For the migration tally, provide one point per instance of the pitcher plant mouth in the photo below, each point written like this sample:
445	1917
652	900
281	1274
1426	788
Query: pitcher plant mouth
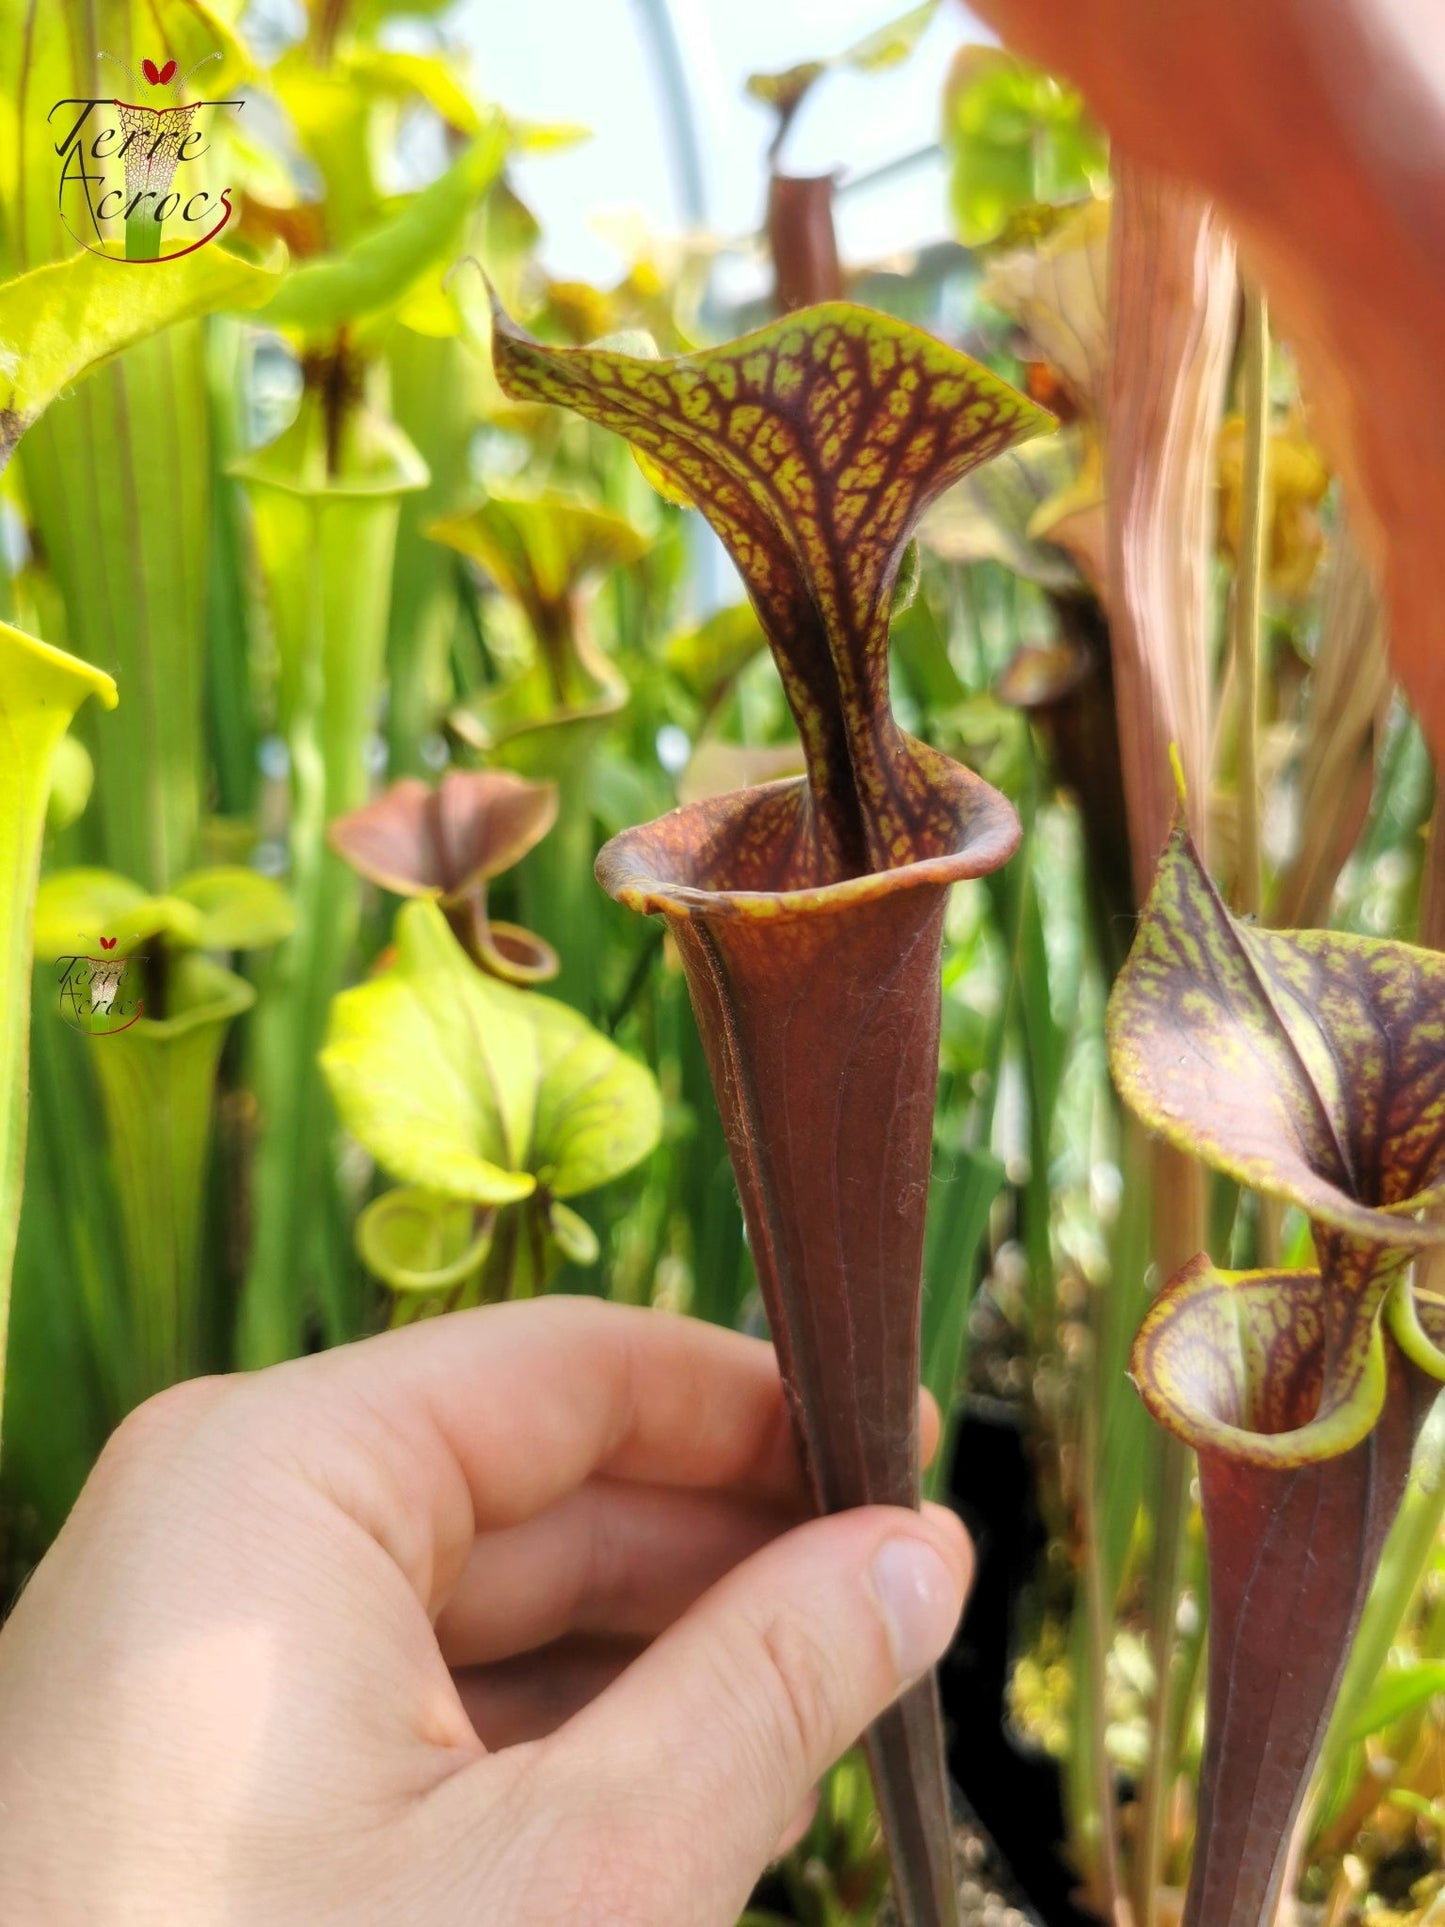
449	842
1242	1363
752	853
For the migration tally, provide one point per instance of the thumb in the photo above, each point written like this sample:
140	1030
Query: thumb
705	1747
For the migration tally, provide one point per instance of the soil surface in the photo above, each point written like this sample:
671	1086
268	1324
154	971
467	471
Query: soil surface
988	1895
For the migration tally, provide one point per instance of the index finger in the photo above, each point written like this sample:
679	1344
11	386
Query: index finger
485	1418
533	1398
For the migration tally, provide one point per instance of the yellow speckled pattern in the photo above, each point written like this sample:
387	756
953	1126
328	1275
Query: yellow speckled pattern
1309	1065
812	447
1273	1368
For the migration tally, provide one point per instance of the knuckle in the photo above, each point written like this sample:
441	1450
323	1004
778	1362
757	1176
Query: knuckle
606	1573
161	1420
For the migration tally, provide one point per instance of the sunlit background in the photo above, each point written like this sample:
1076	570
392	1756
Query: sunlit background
675	143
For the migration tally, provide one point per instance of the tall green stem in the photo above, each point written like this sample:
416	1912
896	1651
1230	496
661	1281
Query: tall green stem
559	895
1120	1448
157	1081
119	481
426	377
1099	1589
40	690
1171	1514
1180	1207
326	497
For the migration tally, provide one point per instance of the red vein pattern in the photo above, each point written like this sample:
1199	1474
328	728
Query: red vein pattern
812	447
809	914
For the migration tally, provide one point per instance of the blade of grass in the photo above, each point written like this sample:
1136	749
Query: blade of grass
230	652
430	377
961	1199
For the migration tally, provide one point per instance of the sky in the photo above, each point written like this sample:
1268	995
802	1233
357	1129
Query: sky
591	61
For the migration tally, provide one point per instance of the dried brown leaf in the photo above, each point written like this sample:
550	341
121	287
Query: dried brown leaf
1171	311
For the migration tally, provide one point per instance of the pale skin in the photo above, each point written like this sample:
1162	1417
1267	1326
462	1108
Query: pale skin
513	1617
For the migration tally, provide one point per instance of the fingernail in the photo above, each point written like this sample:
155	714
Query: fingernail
920	1601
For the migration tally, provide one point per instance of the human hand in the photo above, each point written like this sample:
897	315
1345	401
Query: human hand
504	1619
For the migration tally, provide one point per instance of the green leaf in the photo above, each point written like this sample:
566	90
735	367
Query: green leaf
40	690
920	655
465	1086
126	532
231	908
325	501
540	549
598	1110
957	1225
430	1074
386	264
72	778
75	908
157	1082
709	656
240	909
406	77
812	447
784	91
1402	1690
891	44
1015	137
422	1241
59	322
573	1236
888	46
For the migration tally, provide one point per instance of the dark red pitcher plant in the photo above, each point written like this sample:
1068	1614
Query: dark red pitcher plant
809	913
1309	1066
